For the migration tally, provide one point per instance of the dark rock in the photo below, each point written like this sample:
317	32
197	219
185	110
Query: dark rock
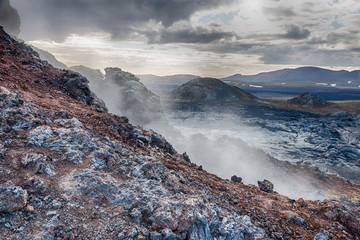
125	119
77	87
12	198
236	179
301	202
186	157
266	186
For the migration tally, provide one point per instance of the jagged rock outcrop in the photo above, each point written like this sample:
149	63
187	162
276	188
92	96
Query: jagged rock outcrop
134	99
78	172
124	94
210	90
308	99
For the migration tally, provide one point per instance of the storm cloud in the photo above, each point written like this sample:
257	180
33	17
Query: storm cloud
9	18
172	36
279	12
295	32
120	18
189	35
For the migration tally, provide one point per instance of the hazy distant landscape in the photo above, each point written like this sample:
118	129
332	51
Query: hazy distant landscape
286	83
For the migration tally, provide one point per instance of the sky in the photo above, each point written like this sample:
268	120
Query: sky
214	38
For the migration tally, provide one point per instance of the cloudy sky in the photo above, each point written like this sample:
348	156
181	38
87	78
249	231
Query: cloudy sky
204	37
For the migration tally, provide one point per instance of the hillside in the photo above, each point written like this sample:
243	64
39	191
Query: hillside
70	170
210	90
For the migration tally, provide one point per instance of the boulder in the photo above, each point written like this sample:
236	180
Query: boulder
236	179
266	186
12	198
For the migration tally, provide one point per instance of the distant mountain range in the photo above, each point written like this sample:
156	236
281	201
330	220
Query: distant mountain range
301	76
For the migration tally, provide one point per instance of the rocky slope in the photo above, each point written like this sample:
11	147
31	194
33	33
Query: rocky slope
70	170
210	90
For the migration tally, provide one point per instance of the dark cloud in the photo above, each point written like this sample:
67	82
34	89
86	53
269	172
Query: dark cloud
58	18
189	35
230	47
9	18
279	12
334	38
295	32
343	37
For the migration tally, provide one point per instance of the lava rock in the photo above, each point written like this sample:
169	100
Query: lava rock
186	157
12	198
266	186
236	179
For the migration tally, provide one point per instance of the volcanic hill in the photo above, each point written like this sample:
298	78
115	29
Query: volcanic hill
210	90
70	170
